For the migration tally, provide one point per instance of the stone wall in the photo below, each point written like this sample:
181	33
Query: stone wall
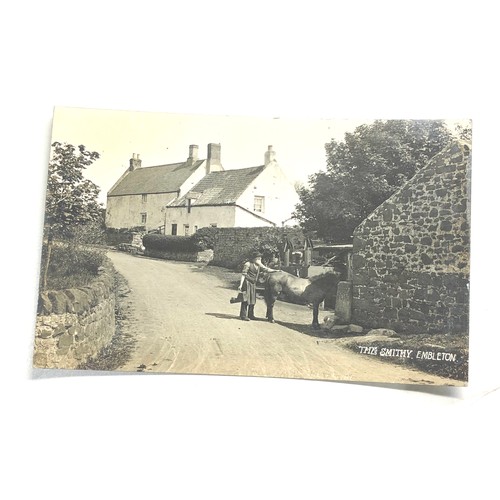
73	325
411	255
234	244
115	238
203	256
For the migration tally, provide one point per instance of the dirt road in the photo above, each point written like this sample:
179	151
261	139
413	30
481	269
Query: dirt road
183	322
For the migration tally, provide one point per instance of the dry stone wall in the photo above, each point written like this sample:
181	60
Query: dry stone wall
411	255
73	325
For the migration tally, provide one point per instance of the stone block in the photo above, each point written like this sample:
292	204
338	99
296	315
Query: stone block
384	332
339	328
445	225
59	330
426	260
343	304
354	328
44	332
410	248
65	341
59	302
40	360
79	299
62	351
329	320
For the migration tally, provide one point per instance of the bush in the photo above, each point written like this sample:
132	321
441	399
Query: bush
93	233
167	243
72	265
204	238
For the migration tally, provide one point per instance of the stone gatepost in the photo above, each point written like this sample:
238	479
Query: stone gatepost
343	303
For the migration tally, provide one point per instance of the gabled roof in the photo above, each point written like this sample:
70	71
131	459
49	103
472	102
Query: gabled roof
221	188
159	179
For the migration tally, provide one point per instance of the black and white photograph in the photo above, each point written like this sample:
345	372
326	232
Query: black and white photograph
249	250
293	248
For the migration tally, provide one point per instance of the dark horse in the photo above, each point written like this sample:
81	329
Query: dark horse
307	291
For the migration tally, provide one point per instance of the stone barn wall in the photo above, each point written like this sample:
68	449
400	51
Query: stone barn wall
411	255
73	325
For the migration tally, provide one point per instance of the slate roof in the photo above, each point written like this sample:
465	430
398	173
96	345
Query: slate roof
159	179
220	188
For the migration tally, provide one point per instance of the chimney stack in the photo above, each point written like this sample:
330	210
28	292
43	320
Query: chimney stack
193	154
269	156
135	162
213	158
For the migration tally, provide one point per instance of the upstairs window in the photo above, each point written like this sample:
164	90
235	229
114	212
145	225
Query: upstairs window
258	204
144	198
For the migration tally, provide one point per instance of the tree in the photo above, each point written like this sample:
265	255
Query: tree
363	171
71	200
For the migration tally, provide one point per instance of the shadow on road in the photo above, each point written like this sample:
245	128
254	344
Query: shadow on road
223	316
311	332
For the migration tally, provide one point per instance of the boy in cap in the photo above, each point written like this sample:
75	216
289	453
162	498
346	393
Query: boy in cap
249	277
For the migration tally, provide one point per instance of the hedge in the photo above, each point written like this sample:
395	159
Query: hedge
201	240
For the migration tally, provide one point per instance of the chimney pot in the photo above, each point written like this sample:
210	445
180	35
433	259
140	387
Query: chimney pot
213	158
135	162
193	154
269	156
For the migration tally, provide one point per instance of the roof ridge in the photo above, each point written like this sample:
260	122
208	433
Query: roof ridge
170	164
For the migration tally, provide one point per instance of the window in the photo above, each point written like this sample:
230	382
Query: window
144	218
258	204
186	229
195	228
144	198
189	205
174	229
214	224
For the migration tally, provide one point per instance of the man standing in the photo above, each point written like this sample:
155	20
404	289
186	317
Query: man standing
249	277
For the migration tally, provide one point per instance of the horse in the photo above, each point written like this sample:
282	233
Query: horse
303	290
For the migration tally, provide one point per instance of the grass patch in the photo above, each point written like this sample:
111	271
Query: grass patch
71	265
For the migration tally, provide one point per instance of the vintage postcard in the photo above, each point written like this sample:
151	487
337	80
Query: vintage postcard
274	247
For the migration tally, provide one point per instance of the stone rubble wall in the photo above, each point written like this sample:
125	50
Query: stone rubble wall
411	255
73	325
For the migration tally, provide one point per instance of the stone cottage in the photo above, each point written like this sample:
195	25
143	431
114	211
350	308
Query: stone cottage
183	197
248	197
139	196
410	263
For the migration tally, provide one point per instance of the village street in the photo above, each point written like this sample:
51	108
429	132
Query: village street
181	318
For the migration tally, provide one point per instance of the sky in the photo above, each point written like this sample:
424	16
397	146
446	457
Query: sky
162	138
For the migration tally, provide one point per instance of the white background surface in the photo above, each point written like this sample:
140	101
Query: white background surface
71	435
